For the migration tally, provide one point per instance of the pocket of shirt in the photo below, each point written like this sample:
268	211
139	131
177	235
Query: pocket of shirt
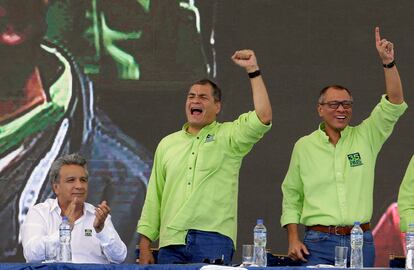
210	157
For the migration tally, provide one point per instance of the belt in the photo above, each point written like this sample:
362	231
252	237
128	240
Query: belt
338	230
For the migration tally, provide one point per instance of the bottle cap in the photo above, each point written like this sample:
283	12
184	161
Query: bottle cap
65	218
357	223
259	221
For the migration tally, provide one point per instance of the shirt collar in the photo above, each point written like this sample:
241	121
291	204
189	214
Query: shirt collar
89	208
86	207
202	132
325	137
55	206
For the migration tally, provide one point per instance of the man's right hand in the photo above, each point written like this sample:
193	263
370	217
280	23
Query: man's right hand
297	250
71	211
145	253
145	256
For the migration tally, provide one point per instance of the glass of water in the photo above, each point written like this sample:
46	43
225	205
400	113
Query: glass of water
341	255
51	251
247	255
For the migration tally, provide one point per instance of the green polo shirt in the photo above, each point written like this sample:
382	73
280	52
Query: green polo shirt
333	185
194	180
406	197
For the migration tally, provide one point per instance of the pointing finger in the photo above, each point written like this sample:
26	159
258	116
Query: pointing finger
377	34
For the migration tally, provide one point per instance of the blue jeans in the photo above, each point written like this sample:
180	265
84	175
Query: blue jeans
321	247
200	245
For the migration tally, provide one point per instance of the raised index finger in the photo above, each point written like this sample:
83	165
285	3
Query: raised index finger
377	34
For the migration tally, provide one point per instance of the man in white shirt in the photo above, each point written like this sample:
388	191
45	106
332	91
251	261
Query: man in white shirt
93	238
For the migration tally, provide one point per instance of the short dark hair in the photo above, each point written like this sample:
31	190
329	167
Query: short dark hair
216	89
334	86
70	159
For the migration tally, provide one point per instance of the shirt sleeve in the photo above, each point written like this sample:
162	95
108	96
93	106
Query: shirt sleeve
149	223
34	235
292	189
112	245
406	197
247	130
381	122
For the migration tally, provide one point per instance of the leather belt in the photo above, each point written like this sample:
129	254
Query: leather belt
338	230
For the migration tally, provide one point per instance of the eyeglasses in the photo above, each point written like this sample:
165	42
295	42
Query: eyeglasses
346	104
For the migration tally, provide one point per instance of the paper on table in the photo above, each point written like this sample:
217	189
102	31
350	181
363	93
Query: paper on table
321	266
220	267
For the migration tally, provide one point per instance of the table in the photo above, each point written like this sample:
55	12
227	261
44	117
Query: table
70	266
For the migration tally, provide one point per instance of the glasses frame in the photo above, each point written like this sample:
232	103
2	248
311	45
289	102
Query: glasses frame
334	104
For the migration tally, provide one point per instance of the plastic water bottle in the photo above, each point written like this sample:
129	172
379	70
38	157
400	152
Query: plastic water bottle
260	237
357	241
65	252
409	244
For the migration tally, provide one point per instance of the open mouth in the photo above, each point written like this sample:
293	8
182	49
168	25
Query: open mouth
340	117
196	111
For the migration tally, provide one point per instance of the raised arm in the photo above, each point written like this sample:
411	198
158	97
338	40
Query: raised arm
393	85
247	59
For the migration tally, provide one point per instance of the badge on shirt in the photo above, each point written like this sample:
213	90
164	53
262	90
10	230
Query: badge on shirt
355	159
88	232
209	138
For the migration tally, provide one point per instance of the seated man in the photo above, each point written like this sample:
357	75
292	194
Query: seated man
94	238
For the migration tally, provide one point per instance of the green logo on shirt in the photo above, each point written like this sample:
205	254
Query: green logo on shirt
88	232
354	159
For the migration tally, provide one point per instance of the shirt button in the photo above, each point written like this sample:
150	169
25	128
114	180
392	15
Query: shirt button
198	138
192	153
190	168
189	183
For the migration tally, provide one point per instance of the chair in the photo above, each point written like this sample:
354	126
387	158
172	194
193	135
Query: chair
397	261
280	260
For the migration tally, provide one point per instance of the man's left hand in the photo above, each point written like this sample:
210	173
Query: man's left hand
384	47
101	212
246	59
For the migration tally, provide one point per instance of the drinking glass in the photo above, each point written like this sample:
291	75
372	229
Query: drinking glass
51	248
247	255
341	254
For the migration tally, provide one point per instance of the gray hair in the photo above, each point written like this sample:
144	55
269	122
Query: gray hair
70	159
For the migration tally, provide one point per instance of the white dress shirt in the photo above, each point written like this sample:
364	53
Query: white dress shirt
42	223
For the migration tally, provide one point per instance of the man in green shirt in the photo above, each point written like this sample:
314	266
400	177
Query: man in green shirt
329	183
191	202
406	198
